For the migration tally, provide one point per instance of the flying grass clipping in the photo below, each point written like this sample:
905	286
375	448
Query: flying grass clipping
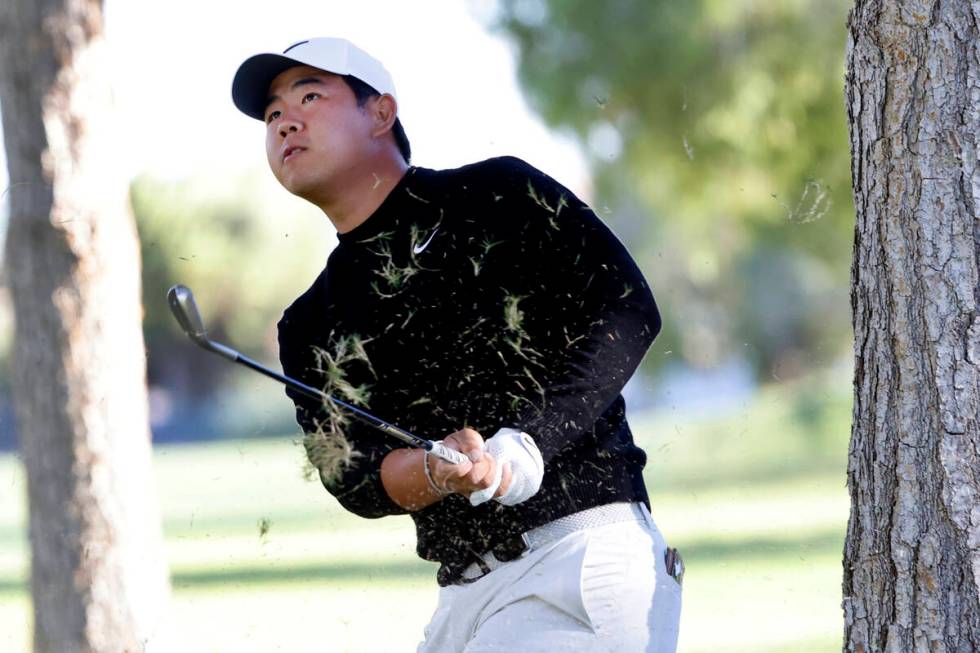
328	450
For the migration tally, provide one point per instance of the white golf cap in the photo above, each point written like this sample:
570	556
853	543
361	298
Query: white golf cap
250	88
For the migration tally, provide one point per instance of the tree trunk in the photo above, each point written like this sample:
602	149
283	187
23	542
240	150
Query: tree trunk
98	576
912	555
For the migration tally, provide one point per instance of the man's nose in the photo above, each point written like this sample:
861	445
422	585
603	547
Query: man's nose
288	126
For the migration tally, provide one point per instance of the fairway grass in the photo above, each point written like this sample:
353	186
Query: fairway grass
262	560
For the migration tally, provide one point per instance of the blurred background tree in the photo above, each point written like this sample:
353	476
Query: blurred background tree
221	237
717	138
98	574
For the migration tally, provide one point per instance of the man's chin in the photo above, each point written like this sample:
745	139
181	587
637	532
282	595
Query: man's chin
299	187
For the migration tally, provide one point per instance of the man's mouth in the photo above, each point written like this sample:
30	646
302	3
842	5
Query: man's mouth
291	151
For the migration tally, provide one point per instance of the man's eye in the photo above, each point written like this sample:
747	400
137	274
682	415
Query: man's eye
272	116
309	97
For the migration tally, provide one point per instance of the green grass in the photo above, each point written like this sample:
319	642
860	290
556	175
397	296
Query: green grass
756	502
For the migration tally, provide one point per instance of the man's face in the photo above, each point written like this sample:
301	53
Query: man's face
315	132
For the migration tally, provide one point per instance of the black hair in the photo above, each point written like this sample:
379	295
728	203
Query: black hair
364	92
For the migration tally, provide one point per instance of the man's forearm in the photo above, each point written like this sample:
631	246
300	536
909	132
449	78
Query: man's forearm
404	479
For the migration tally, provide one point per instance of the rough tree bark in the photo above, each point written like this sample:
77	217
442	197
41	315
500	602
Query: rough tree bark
98	577
912	555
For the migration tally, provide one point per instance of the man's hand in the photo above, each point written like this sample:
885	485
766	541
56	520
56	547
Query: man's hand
404	479
477	474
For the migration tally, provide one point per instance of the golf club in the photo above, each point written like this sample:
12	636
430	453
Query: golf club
184	308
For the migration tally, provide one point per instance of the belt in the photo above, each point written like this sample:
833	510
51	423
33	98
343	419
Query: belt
535	538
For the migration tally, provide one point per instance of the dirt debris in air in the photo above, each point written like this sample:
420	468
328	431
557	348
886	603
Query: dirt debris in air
264	525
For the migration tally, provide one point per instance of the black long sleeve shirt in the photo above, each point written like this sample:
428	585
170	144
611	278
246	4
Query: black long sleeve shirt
485	296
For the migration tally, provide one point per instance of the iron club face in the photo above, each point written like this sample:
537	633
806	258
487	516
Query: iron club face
184	308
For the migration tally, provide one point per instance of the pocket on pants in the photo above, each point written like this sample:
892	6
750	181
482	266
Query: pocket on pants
632	603
617	572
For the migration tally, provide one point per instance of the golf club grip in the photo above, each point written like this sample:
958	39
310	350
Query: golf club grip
440	450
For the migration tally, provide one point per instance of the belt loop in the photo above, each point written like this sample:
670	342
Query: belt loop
512	549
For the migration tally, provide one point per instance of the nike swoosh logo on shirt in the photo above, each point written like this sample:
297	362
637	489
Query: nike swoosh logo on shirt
418	249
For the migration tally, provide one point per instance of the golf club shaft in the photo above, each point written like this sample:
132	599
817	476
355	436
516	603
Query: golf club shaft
184	308
435	448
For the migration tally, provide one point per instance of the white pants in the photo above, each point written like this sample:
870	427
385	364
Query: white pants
604	588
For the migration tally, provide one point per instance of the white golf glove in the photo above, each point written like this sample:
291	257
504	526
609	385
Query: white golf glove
526	467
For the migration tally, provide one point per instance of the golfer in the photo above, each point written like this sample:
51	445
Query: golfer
488	307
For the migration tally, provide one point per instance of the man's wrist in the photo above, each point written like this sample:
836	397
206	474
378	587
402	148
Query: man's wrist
441	491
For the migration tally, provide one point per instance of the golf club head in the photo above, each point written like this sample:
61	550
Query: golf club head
184	308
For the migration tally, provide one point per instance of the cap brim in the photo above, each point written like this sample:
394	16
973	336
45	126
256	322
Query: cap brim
250	88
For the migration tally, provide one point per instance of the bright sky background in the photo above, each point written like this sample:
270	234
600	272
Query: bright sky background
457	87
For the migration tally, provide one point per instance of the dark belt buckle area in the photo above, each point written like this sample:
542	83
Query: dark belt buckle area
512	549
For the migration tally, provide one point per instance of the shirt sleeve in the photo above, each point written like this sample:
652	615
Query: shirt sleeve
581	314
357	485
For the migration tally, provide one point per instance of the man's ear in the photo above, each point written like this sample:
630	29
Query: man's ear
384	111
